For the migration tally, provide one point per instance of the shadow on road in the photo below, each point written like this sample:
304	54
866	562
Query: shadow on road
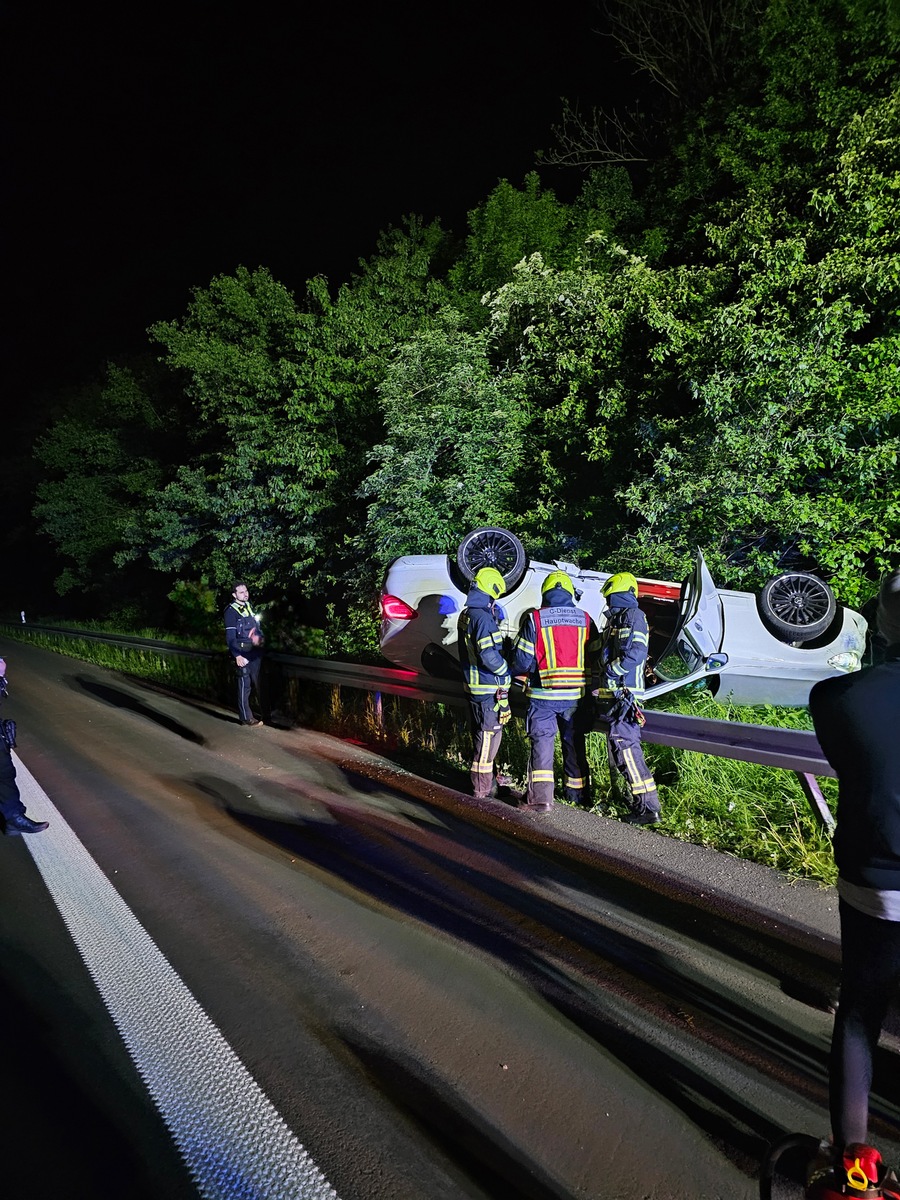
497	1167
119	698
499	899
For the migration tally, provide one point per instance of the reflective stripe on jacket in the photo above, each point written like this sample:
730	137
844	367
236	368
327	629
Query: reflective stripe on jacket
625	642
481	647
240	622
555	648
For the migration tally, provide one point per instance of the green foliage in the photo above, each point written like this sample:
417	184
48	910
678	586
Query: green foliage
244	501
277	390
352	632
794	365
452	448
703	355
197	607
606	204
707	354
510	225
515	223
210	677
107	453
594	347
753	812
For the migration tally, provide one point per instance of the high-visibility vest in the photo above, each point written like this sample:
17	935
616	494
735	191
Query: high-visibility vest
560	650
480	645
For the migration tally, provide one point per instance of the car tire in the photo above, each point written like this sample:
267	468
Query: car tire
492	547
797	606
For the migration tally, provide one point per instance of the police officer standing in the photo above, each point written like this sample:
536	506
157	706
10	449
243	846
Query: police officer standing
856	718
485	674
553	655
623	660
245	641
12	810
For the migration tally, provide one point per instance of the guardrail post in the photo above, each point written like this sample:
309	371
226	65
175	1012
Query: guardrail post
813	794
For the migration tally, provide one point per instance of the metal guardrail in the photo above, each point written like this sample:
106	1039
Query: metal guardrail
112	639
796	750
770	746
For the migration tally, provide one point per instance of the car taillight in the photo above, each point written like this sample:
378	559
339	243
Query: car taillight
395	609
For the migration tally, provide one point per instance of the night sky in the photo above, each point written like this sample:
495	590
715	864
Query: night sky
151	148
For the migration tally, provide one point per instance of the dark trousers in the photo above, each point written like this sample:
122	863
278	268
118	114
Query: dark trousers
545	718
10	803
247	676
627	756
487	733
870	972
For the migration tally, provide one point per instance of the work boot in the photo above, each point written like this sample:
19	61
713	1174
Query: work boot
22	824
642	818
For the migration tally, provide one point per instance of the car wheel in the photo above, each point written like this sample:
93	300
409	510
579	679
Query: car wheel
491	547
796	606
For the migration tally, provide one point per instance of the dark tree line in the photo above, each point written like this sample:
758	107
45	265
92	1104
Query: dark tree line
706	352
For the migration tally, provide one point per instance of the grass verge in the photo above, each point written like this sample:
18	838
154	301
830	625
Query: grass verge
750	811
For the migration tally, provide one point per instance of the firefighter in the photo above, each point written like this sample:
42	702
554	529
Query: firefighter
553	656
623	661
485	674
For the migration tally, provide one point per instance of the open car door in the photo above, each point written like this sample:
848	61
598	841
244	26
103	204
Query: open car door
695	648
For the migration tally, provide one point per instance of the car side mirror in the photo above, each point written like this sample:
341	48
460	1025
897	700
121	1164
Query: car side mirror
716	662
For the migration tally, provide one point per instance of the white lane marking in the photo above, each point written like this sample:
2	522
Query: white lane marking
232	1139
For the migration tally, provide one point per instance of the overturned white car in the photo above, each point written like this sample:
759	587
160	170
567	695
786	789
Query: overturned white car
765	649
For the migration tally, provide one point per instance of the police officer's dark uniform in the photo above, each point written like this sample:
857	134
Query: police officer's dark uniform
12	810
485	675
856	718
554	653
623	658
245	640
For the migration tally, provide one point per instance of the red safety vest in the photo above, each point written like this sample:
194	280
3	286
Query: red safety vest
560	641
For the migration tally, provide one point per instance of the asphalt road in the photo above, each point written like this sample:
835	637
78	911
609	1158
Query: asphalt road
438	998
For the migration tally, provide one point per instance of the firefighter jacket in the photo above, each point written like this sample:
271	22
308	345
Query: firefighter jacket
481	646
240	622
625	641
557	648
